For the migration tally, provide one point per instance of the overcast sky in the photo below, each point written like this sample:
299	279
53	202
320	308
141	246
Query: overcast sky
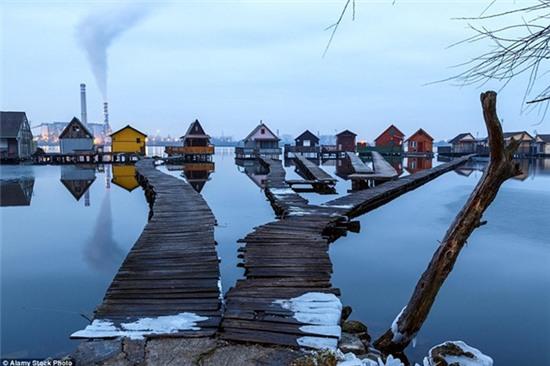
232	63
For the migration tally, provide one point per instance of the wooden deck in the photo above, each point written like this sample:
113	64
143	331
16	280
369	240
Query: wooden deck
381	167
171	274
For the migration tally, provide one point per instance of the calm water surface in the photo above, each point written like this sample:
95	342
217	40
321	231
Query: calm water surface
60	253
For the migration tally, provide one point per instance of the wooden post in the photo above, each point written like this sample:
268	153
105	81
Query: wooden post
500	168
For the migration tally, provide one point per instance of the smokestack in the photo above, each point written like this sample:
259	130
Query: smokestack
83	111
106	113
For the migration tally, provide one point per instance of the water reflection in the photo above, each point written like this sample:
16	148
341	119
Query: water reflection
16	192
256	171
416	164
78	179
343	167
101	251
124	176
196	174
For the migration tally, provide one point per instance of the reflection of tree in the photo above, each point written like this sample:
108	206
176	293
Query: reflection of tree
101	251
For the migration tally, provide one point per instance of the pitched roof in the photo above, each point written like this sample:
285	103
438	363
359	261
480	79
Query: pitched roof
420	131
10	123
346	132
130	127
307	134
261	125
76	121
399	133
512	134
544	138
459	137
195	130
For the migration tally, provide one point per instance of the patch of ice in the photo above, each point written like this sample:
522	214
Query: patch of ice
349	359
141	327
315	308
478	359
281	191
328	330
338	206
318	342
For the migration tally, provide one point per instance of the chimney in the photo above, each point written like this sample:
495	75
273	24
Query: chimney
83	112
106	113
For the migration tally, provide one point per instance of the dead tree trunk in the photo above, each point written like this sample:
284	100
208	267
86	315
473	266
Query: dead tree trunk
500	168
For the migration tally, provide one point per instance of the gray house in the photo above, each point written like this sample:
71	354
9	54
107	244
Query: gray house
15	136
260	142
76	138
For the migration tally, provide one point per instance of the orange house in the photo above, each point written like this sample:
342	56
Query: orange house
420	142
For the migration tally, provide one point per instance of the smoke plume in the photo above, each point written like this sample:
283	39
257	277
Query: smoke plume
97	31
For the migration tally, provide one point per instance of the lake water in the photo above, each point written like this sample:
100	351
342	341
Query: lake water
72	227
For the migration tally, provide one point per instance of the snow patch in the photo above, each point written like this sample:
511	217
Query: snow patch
318	342
478	359
141	327
281	191
349	359
328	330
338	206
397	336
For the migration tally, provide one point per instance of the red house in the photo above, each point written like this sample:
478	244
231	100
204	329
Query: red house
420	142
390	141
345	141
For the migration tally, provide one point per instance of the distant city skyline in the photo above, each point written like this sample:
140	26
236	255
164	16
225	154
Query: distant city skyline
231	64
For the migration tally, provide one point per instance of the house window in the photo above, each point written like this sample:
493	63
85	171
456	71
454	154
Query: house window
307	143
413	143
262	131
138	140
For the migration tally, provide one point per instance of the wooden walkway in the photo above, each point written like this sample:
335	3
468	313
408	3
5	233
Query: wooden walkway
287	297
169	281
311	171
382	168
359	167
359	202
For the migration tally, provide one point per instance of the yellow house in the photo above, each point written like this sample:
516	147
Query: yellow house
128	140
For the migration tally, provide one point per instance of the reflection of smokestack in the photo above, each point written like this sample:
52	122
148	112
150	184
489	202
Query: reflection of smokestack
106	113
83	112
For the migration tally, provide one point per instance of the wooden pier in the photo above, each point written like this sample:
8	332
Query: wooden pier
169	281
320	180
287	297
359	167
382	172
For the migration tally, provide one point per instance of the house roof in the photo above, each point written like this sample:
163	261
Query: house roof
130	127
76	121
262	125
399	133
346	132
460	136
10	123
420	131
195	130
544	138
512	134
307	134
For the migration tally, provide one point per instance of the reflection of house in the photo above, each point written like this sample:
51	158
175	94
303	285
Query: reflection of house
77	179
16	192
260	142
420	142
76	138
344	167
345	141
196	144
463	143
15	136
417	164
526	146
306	144
256	172
124	176
197	174
390	141
128	140
542	143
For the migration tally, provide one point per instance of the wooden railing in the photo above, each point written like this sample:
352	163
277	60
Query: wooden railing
189	150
